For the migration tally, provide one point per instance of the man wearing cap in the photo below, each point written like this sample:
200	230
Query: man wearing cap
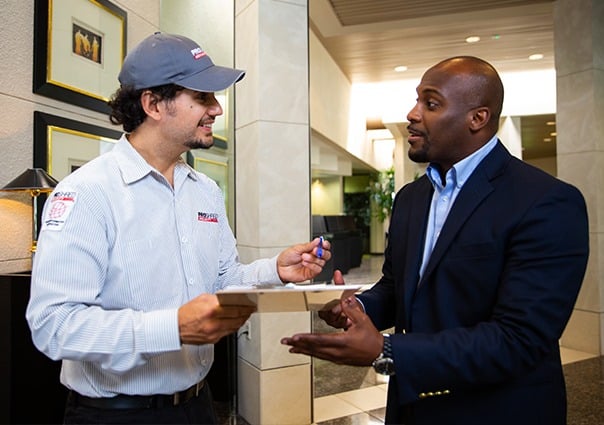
134	244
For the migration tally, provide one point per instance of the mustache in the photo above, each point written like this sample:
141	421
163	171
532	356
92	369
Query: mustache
415	132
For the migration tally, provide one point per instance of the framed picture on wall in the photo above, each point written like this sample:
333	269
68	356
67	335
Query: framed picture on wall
62	145
220	128
79	48
216	168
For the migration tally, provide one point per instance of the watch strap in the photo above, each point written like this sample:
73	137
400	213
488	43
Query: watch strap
384	364
387	350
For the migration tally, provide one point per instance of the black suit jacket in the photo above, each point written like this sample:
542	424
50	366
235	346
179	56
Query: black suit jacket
476	340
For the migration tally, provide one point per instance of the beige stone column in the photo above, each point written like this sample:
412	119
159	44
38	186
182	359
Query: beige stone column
272	199
579	49
272	125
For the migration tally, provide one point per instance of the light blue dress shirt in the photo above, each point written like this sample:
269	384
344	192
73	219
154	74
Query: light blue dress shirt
119	252
444	195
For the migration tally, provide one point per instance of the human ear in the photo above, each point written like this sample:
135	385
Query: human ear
479	118
150	102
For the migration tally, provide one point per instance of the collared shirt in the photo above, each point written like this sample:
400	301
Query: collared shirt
444	195
119	252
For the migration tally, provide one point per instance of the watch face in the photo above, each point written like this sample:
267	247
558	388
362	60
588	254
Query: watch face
384	366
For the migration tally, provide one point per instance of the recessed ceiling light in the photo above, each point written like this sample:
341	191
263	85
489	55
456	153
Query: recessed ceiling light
472	39
554	134
550	123
547	140
400	68
536	57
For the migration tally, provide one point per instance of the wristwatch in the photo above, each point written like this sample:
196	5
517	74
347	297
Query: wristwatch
384	364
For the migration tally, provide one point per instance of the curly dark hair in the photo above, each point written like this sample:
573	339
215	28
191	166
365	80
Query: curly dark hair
126	108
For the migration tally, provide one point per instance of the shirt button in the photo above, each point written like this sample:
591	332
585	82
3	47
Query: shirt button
191	281
184	239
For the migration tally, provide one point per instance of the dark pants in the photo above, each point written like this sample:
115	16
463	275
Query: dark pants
198	410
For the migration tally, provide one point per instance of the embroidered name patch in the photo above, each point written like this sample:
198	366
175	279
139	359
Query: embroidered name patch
207	217
58	210
198	53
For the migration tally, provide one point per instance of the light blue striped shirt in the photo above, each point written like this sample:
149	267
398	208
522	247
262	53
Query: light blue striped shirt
444	195
119	252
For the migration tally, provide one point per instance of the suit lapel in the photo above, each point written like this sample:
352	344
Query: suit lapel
419	205
470	197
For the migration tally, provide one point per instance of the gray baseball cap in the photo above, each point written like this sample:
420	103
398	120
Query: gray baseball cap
173	59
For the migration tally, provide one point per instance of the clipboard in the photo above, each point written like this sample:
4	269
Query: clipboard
284	298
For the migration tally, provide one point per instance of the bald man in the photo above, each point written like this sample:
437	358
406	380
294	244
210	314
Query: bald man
485	258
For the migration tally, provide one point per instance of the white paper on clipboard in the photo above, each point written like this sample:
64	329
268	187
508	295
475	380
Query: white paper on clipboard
284	298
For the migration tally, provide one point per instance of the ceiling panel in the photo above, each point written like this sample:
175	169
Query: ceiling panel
417	34
356	12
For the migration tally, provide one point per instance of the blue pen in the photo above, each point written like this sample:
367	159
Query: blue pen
320	248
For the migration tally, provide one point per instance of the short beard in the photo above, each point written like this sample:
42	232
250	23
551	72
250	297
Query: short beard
419	156
199	144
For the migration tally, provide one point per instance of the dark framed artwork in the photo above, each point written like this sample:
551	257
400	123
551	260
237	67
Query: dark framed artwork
61	145
79	48
220	128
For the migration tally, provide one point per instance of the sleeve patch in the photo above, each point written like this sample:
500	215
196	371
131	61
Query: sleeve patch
58	210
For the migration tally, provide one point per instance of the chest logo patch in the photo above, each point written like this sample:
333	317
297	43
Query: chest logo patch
207	217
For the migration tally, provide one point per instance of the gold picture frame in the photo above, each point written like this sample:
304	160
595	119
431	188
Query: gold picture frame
61	145
76	140
216	169
79	48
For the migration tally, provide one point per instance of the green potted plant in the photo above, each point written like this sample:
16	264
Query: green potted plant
381	193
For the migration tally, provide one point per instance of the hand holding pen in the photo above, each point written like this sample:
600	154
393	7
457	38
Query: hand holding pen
303	261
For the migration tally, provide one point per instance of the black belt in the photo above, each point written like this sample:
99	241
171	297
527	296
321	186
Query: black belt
123	401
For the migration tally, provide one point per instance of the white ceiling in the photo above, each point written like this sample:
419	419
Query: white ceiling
368	38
